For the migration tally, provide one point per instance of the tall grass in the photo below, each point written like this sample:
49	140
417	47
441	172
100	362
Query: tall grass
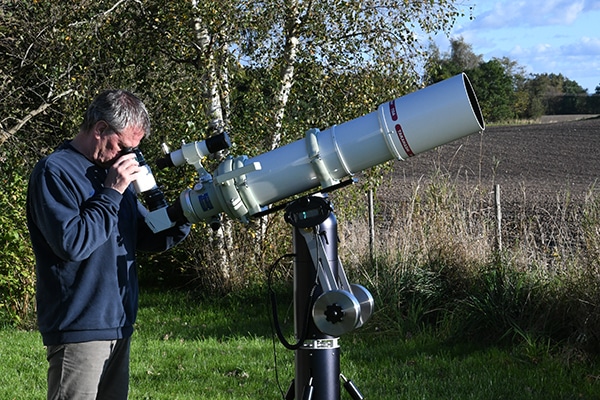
436	264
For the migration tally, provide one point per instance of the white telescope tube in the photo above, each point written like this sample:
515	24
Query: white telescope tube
402	128
399	129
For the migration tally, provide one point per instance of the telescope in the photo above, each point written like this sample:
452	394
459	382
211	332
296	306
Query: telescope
244	188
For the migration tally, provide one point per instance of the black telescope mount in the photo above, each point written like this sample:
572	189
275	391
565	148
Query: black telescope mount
325	305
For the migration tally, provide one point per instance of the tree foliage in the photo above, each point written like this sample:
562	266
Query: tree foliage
555	94
503	88
494	87
17	277
266	71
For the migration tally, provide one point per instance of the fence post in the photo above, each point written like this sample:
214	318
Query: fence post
372	230
498	218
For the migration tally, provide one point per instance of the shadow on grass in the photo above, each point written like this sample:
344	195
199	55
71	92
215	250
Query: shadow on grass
192	316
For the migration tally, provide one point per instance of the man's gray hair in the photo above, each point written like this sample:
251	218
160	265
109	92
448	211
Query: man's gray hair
119	109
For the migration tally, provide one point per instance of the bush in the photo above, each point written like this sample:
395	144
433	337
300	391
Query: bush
17	266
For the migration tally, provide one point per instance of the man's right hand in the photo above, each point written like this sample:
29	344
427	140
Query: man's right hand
124	171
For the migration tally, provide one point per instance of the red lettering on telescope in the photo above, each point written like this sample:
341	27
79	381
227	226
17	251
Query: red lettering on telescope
403	141
393	112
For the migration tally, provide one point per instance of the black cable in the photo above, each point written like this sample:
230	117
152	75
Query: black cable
271	294
275	318
276	324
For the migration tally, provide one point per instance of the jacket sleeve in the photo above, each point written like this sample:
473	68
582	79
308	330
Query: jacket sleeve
72	225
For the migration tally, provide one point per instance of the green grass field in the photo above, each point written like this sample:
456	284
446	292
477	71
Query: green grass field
186	347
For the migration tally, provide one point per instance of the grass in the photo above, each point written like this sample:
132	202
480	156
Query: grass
454	319
189	347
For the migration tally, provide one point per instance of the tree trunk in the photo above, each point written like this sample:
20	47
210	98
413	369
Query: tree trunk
221	238
292	26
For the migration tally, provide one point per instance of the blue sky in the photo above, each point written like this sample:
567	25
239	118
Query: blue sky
551	36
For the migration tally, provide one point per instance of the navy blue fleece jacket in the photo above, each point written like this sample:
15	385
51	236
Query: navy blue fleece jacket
85	237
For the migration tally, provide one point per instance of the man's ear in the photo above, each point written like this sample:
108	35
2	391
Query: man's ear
99	128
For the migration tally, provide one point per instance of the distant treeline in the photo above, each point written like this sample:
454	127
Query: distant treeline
572	104
505	91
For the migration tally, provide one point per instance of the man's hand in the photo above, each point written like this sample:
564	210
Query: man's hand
124	171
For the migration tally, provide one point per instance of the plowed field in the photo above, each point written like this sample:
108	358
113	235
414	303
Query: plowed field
544	171
534	161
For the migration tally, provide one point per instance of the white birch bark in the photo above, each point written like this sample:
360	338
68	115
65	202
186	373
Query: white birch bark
290	50
212	103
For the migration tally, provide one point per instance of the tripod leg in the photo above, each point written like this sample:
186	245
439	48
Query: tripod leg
351	389
309	390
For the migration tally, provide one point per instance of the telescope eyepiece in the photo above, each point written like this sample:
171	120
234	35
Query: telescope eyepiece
138	154
145	185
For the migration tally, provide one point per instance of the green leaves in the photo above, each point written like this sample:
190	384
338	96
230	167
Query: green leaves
17	267
266	71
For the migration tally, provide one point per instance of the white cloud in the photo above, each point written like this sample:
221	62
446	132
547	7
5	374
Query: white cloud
528	13
544	36
543	48
518	51
567	14
586	46
578	61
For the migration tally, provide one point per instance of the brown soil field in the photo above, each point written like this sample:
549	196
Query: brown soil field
544	171
535	161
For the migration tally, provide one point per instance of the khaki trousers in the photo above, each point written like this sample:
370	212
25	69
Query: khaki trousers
89	371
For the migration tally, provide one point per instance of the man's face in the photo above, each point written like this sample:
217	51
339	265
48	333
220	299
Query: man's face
113	144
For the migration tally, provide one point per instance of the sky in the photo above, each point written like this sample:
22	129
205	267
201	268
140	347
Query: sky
543	36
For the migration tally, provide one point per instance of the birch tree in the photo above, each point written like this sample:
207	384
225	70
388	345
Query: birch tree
345	36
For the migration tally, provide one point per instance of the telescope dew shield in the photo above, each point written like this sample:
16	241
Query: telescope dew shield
446	111
399	129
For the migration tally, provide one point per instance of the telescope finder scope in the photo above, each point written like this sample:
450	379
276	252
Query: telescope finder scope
192	153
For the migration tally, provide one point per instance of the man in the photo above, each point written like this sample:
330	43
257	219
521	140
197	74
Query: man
86	224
